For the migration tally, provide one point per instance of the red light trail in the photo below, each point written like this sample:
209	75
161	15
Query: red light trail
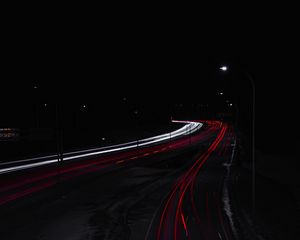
171	221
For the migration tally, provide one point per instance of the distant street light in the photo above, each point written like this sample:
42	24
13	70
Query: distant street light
224	68
136	113
36	99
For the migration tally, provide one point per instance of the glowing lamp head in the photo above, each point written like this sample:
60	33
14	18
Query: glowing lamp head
224	68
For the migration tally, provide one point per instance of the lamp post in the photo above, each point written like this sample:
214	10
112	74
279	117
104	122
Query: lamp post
225	69
136	115
35	87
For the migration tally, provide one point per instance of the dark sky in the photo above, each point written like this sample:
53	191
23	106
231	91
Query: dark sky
157	66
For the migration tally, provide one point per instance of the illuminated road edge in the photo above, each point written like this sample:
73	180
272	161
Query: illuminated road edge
187	129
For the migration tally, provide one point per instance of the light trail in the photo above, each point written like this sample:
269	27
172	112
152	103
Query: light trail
188	128
177	220
179	190
21	182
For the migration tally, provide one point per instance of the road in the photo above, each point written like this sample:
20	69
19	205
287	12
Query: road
172	187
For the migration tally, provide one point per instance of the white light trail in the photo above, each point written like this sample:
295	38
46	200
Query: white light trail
188	128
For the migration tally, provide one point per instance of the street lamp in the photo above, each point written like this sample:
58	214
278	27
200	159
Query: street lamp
224	68
136	116
36	99
102	141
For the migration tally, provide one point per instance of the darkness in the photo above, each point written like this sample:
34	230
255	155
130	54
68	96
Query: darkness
98	81
153	71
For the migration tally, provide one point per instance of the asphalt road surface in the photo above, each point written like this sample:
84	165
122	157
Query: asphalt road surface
172	186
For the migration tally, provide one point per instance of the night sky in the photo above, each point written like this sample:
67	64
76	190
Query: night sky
154	72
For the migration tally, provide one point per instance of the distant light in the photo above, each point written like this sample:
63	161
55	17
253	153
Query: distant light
230	104
35	87
136	112
224	68
103	139
45	104
221	93
124	99
84	106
